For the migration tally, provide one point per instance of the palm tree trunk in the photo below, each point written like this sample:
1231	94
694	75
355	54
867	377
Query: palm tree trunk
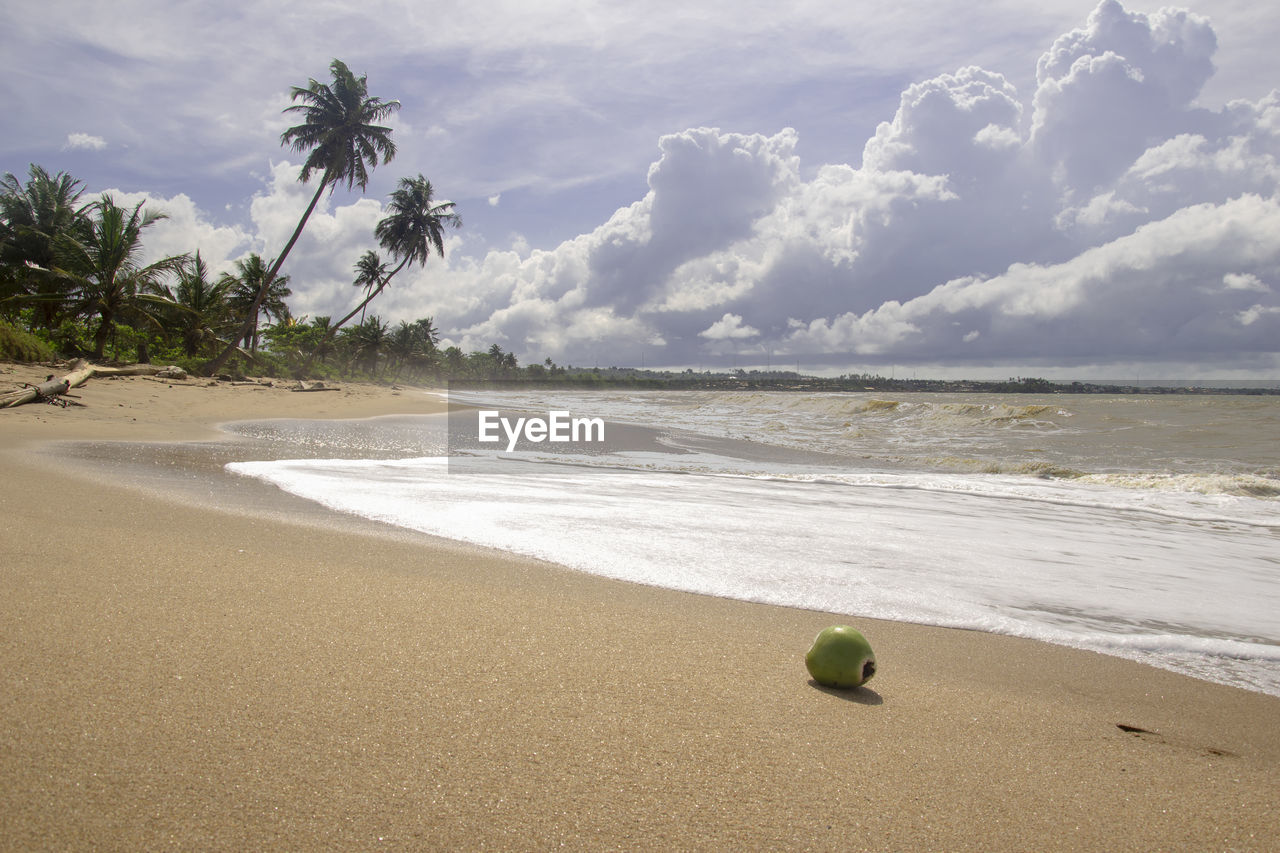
214	366
101	334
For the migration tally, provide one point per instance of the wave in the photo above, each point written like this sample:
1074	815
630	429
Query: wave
851	406
1237	485
1148	444
1262	486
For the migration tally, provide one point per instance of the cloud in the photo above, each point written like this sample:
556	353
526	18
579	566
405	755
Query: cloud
1107	91
185	229
1244	281
1119	221
728	327
1148	295
84	142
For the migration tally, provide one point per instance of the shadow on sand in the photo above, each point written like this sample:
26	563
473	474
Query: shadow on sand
858	695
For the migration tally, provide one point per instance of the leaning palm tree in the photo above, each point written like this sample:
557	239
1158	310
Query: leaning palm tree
340	131
105	273
413	227
370	272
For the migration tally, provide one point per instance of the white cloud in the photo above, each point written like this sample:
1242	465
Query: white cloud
184	229
957	237
1107	89
728	327
84	142
1139	296
1254	313
1244	281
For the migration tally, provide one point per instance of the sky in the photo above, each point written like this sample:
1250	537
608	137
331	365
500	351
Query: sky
1056	189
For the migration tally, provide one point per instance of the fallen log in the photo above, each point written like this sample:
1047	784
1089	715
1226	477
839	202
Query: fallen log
81	372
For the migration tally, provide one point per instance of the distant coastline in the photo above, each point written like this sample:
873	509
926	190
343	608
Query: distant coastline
615	377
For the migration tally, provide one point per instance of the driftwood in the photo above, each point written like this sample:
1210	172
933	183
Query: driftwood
313	386
82	372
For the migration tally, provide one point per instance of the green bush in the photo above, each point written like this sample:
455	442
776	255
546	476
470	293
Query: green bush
17	345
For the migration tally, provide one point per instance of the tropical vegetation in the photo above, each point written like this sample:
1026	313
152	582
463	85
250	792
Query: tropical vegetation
76	279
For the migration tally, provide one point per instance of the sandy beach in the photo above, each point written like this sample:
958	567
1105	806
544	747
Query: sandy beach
184	677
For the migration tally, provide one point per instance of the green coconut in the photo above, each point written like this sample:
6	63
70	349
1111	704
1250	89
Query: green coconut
840	657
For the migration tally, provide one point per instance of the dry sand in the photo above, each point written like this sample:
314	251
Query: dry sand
181	677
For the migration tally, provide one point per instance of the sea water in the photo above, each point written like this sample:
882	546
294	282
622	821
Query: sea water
1141	526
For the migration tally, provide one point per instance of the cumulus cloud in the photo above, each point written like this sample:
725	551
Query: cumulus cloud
1146	295
1108	91
84	142
184	229
728	327
1118	221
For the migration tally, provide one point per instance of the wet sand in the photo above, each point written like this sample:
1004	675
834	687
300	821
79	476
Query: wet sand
189	677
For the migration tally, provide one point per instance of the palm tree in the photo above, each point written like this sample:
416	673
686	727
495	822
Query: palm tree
243	290
104	270
204	306
339	130
32	217
368	340
413	227
454	361
320	333
415	344
370	271
425	331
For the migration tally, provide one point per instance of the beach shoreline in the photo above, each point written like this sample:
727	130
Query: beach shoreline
203	679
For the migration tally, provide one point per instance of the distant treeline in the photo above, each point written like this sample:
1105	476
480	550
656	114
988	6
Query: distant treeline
786	381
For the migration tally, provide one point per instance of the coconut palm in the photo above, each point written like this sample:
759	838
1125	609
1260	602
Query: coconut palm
368	341
32	217
413	226
370	272
243	289
202	310
341	134
105	272
454	361
415	344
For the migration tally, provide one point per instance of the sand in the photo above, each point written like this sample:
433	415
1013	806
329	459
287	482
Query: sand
181	677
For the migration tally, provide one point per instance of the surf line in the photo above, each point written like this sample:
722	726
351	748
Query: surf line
558	427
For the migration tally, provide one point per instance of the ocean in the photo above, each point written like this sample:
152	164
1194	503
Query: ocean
1146	527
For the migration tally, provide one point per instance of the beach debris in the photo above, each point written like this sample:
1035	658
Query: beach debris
52	390
314	386
840	657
